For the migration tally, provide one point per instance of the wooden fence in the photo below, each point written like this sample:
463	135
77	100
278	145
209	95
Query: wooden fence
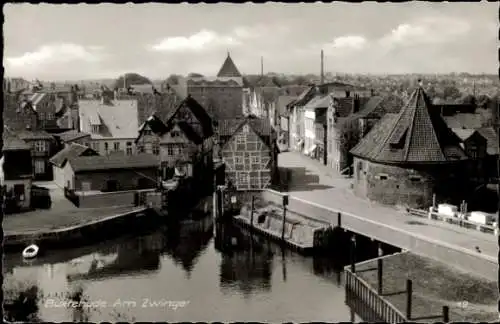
459	221
367	303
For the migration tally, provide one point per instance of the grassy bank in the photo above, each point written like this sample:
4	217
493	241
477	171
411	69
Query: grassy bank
470	298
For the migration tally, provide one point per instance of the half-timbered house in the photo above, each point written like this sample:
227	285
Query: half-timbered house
184	142
249	151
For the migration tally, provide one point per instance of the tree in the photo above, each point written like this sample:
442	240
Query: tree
195	75
131	79
173	79
451	92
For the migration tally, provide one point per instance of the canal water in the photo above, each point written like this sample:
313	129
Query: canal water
183	274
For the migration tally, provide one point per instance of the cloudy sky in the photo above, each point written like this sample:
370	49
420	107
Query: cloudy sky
63	42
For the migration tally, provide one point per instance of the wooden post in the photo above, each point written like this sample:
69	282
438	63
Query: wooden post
353	253
251	212
380	265
285	203
339	219
409	291
446	314
433	202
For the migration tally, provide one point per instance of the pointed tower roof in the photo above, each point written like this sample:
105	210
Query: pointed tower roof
228	69
417	135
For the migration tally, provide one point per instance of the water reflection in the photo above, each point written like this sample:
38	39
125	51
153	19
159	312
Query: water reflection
245	266
233	277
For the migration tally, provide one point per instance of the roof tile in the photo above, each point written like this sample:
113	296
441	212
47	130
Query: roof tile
415	135
113	161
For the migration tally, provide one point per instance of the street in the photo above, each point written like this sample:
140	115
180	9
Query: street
317	183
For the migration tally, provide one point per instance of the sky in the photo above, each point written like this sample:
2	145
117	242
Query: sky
74	42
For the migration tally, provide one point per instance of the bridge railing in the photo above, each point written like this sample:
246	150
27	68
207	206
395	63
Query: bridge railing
367	303
459	221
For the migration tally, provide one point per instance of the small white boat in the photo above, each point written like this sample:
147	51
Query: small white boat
31	251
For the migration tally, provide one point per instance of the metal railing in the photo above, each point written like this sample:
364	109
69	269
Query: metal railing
459	220
367	303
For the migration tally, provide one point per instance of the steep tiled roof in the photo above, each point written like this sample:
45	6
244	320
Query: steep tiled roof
155	124
472	121
282	103
229	127
12	142
190	132
376	107
491	137
37	97
303	96
70	152
160	105
71	135
118	119
35	135
228	68
319	101
199	112
414	136
113	161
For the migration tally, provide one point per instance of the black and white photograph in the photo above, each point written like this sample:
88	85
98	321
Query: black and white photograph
265	162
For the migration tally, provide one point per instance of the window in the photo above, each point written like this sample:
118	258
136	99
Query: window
170	149
149	148
87	144
50	116
140	148
238	160
106	147
41	115
116	146
40	146
95	129
129	148
156	149
39	166
415	179
19	191
382	177
240	139
254	159
243	179
147	132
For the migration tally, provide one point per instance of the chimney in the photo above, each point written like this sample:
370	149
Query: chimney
322	77
262	66
355	104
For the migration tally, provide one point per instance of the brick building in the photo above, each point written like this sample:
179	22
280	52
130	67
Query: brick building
115	172
409	156
223	95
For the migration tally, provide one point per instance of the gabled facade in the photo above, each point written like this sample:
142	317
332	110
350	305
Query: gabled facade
248	149
19	115
223	95
112	124
61	169
184	141
17	172
43	146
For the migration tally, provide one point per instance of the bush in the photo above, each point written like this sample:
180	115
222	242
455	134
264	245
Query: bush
21	301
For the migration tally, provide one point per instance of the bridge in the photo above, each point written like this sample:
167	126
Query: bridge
318	192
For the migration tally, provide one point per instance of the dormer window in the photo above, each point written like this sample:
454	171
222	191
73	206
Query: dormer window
95	129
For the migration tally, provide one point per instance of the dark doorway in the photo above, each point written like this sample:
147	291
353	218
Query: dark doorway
143	183
111	185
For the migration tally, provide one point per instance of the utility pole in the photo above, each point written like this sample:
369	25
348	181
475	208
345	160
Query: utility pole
262	66
322	77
